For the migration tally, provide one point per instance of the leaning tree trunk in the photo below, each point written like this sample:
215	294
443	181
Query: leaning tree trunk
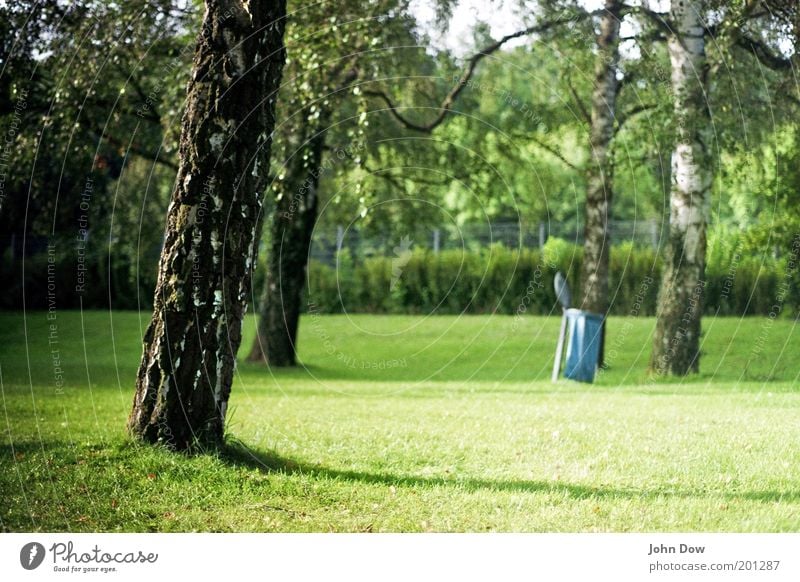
600	174
213	227
680	300
292	227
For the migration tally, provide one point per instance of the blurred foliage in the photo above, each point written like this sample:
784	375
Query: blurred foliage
92	96
91	93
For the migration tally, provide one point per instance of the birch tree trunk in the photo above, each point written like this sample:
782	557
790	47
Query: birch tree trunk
190	346
680	300
292	227
600	173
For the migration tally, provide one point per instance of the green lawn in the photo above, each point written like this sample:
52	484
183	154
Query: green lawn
403	423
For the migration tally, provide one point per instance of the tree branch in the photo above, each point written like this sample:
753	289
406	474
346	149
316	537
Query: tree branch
587	117
140	152
392	179
547	147
632	112
764	55
657	18
385	176
472	63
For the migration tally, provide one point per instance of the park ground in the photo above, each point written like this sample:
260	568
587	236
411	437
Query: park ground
401	423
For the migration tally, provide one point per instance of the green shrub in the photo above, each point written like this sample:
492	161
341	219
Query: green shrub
497	279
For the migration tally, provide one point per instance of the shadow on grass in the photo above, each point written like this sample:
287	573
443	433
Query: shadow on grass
237	454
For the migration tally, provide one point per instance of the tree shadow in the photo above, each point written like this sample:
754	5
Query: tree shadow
238	454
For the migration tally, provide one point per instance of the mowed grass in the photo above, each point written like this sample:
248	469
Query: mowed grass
399	423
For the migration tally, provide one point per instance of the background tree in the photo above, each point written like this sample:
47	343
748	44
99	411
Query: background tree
329	54
677	337
600	171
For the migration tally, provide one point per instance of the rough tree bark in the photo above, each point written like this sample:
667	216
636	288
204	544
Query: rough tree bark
292	227
680	300
190	346
600	172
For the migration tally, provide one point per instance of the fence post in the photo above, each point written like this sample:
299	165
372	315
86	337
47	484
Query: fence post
542	235
339	238
436	235
654	232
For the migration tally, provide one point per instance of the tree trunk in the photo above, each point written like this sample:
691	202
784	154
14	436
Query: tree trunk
292	227
680	300
600	174
190	346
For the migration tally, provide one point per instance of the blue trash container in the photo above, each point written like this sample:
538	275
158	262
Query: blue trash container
583	348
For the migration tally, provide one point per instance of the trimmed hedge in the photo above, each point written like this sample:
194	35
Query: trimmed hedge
508	281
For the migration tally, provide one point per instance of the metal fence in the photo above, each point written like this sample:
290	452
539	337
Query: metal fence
327	242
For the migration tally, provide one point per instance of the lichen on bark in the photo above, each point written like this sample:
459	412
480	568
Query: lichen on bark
213	225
